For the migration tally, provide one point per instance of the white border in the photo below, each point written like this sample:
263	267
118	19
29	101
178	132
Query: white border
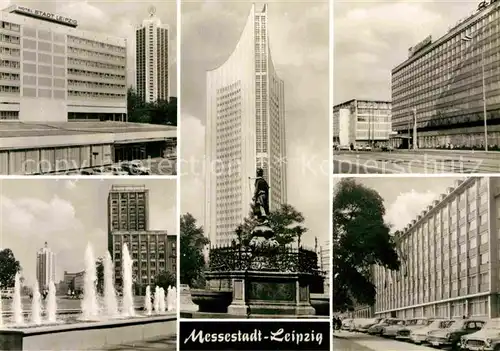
330	153
179	158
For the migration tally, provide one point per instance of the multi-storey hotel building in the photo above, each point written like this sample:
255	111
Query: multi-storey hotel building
152	59
245	130
152	251
442	80
450	257
361	122
57	83
45	267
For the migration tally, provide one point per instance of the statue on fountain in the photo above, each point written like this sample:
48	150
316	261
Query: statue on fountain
262	232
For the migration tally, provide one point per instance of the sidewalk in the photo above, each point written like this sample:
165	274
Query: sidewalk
376	343
168	343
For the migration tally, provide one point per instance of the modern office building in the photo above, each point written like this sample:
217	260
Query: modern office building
53	76
362	123
152	251
245	130
45	267
443	81
450	257
152	45
325	263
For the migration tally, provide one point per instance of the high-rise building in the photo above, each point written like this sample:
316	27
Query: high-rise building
152	59
152	251
325	263
53	71
362	123
443	81
245	130
449	257
45	267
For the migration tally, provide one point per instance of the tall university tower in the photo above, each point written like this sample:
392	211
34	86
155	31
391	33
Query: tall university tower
245	130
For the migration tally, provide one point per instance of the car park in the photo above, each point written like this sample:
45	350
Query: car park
367	324
392	330
451	335
378	329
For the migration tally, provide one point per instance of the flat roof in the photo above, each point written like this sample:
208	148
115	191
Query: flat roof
362	100
18	129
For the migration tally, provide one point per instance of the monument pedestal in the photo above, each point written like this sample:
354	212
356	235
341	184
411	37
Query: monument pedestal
268	292
186	302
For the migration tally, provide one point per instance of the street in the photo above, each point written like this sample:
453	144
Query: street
419	161
347	341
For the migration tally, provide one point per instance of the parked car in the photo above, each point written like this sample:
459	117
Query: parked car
86	172
346	324
486	339
378	329
116	170
135	168
450	336
411	325
392	330
344	148
387	148
102	171
420	335
368	323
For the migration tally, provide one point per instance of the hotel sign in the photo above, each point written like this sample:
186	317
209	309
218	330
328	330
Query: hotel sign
45	16
484	4
413	50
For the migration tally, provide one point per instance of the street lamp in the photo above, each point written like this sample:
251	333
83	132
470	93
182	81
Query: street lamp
468	38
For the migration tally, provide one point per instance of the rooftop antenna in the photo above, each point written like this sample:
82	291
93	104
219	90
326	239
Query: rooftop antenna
152	11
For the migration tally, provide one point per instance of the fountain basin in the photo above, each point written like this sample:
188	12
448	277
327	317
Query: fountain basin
212	301
88	335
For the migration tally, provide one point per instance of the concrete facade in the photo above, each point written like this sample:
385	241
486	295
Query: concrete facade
245	130
442	80
450	257
45	267
361	123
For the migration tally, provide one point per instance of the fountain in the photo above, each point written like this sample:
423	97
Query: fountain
16	303
52	303
36	308
147	301
90	308
110	301
157	300
78	326
128	300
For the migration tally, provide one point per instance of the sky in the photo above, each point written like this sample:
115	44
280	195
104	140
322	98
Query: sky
69	214
116	18
372	37
299	42
406	197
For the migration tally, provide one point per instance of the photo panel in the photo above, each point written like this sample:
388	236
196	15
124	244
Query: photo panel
416	87
414	262
255	175
89	88
88	264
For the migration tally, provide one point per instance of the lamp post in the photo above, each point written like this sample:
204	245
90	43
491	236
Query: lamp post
468	38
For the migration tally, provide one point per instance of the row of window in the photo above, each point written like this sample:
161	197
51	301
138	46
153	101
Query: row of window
87	94
96	44
100	75
93	54
10	26
87	63
10	39
9	64
91	85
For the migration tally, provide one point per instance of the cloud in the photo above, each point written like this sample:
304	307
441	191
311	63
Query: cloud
160	218
70	184
26	223
407	206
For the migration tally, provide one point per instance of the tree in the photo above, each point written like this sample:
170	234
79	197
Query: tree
361	239
165	279
99	266
158	112
192	260
286	222
9	266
